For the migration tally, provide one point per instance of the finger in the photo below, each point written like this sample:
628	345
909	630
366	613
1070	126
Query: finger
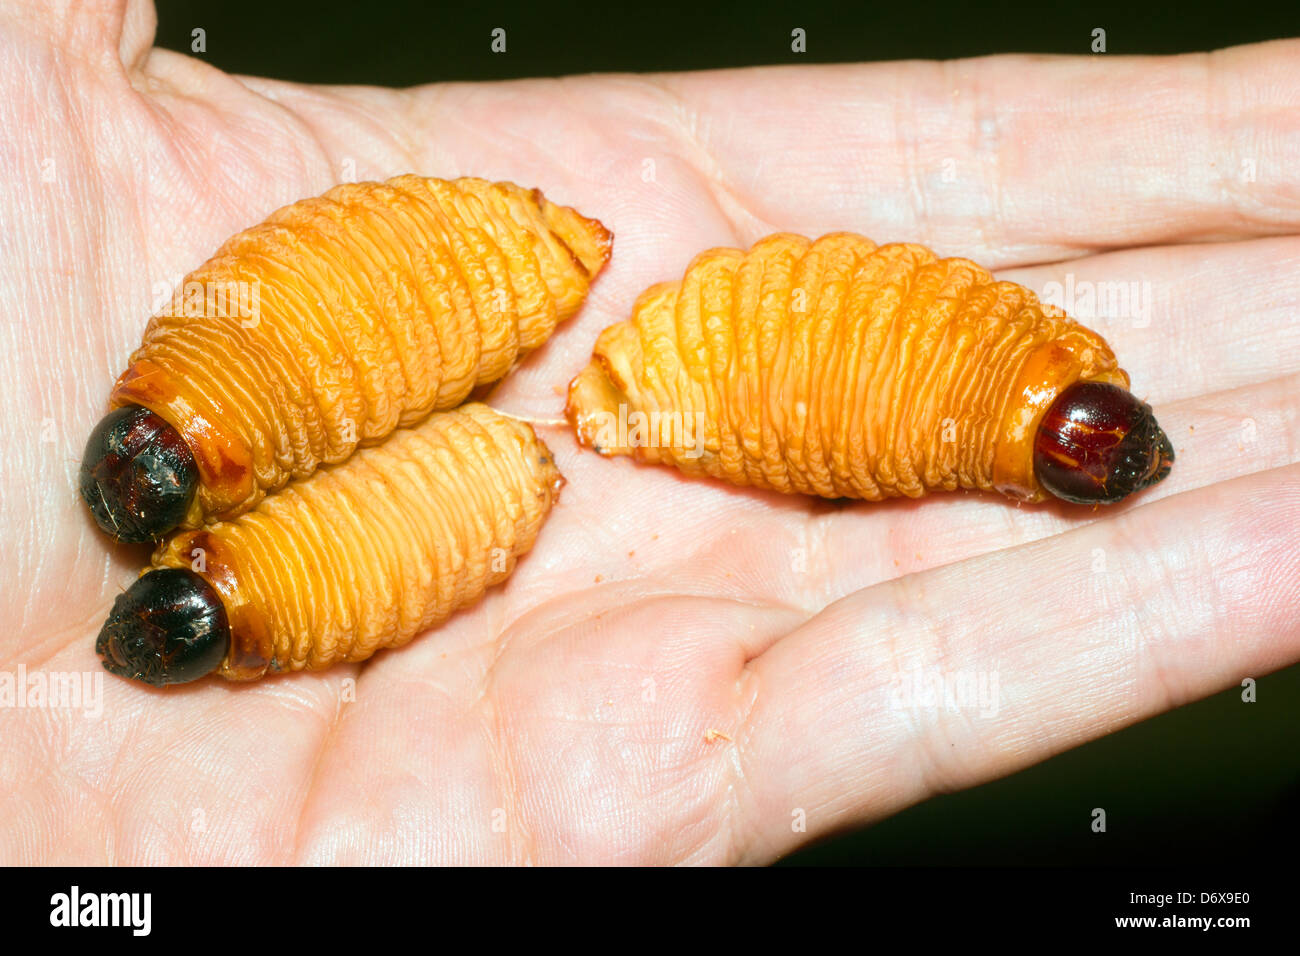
801	552
808	553
1006	159
1186	320
1014	159
1055	643
104	33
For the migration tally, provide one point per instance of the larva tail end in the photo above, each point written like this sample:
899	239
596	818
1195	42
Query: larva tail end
593	408
137	475
587	239
169	627
1098	444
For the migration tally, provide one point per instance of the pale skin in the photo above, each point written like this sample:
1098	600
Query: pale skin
680	672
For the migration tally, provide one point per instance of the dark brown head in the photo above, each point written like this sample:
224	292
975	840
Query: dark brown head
1099	444
137	475
168	627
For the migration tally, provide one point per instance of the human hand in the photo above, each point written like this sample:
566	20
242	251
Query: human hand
680	670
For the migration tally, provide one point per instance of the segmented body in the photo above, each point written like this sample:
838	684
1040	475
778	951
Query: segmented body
374	305
367	554
838	368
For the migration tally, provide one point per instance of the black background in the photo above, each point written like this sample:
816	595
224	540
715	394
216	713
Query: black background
1214	782
398	44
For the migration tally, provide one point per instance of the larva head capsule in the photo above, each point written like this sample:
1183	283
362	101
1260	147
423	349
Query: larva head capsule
1098	444
137	475
169	627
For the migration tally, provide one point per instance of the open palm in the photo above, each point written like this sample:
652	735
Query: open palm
679	671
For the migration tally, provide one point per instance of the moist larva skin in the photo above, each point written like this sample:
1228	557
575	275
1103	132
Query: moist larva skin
360	556
845	369
376	304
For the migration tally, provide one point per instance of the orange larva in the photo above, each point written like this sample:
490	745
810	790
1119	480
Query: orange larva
361	556
846	369
374	305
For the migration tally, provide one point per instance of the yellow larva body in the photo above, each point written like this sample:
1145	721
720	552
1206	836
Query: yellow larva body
837	368
373	305
367	554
